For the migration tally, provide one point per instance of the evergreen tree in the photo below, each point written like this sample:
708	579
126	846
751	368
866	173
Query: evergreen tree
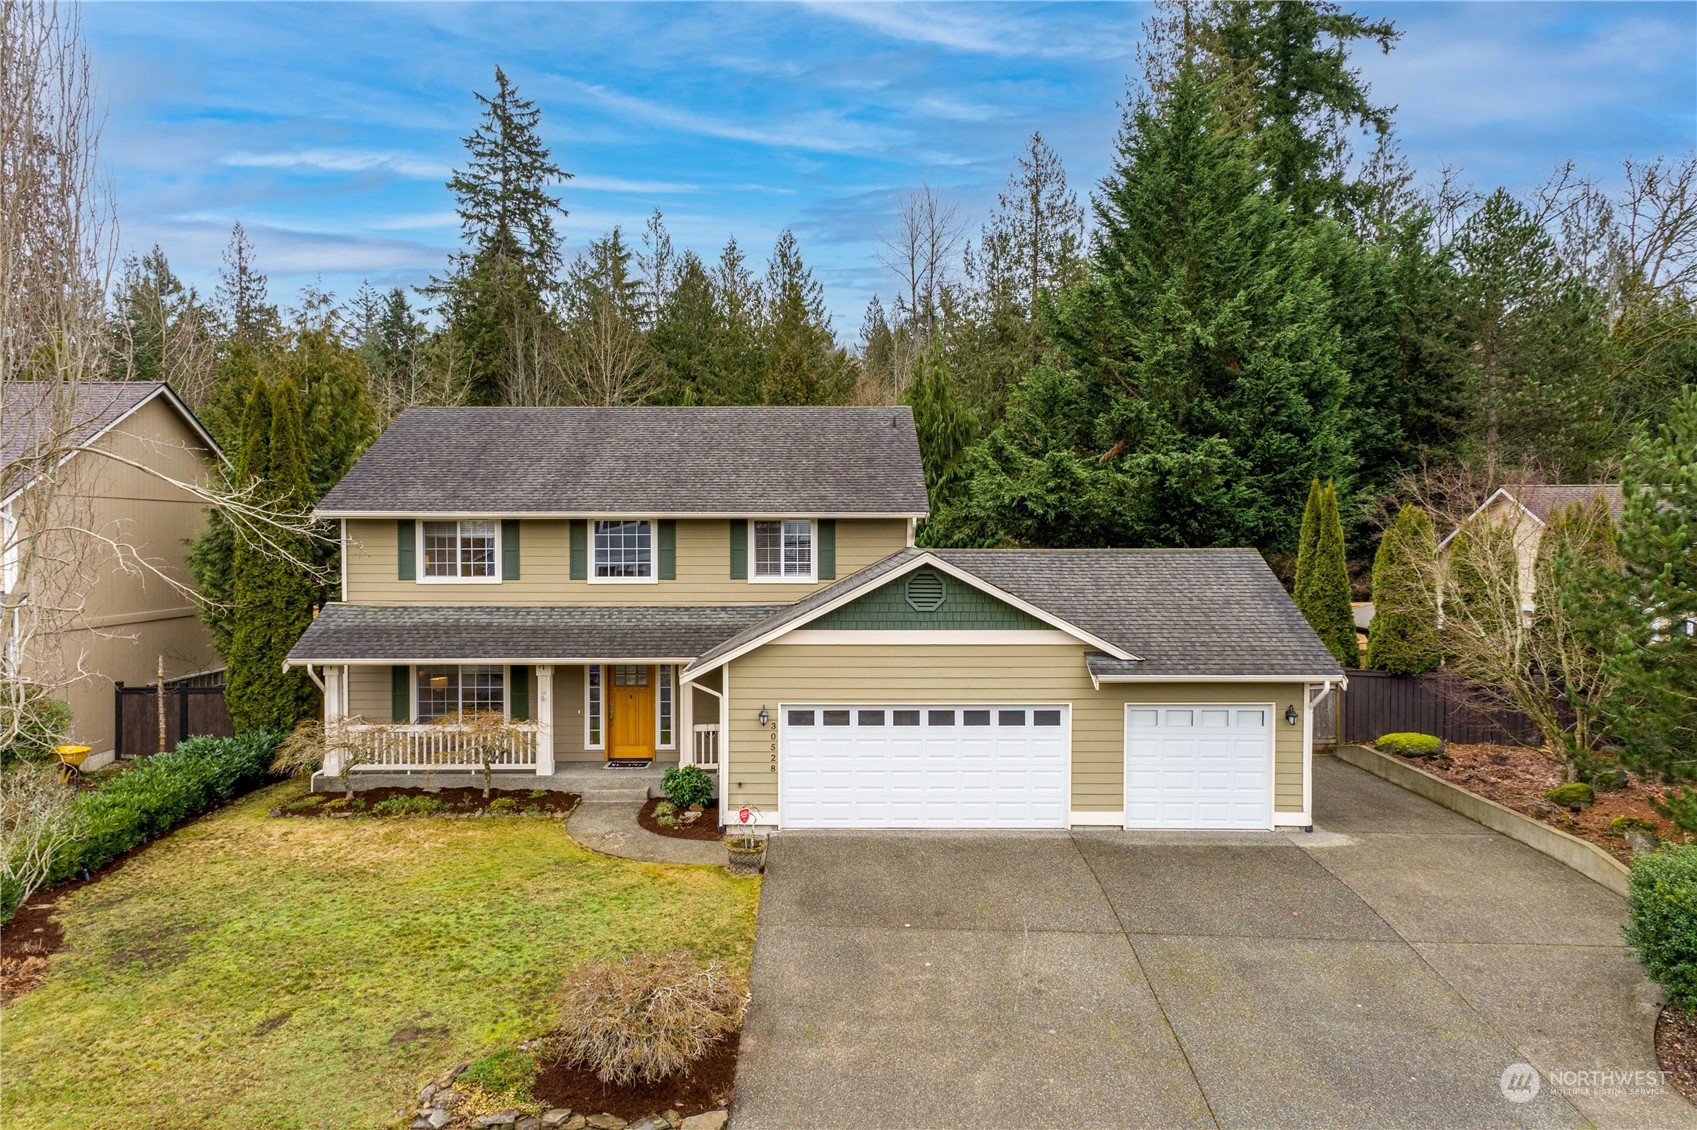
340	416
803	363
273	593
212	555
687	341
495	286
241	295
1200	386
1308	539
944	427
1402	638
741	353
605	357
1323	592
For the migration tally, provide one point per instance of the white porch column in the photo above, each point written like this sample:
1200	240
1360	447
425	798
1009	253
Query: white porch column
545	719
335	709
686	720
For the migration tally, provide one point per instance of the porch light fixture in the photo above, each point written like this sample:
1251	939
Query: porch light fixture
765	717
1291	716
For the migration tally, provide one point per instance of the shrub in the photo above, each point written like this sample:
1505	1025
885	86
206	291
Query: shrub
407	806
1609	780
1662	920
665	808
161	792
1410	745
646	1017
310	800
503	805
505	1075
1680	807
1575	795
38	820
688	784
37	724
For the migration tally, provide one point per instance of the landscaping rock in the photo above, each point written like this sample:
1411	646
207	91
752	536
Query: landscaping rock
528	1124
606	1122
707	1120
556	1117
673	1119
447	1100
501	1117
1641	841
438	1118
446	1079
427	1094
652	1122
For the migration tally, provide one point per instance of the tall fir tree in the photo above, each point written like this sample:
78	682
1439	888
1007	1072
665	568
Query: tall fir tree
212	555
243	303
803	363
1323	592
943	425
1403	638
687	341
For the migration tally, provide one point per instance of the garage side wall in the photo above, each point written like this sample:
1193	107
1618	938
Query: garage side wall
882	674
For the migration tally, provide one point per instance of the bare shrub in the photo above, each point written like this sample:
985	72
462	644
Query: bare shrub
647	1017
37	820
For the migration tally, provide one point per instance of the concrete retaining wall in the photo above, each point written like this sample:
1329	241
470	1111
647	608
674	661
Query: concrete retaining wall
1589	860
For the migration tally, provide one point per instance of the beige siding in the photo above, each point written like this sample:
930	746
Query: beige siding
808	673
369	693
703	560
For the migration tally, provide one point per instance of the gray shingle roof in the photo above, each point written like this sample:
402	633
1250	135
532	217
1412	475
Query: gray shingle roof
1183	612
46	419
459	633
1548	499
641	461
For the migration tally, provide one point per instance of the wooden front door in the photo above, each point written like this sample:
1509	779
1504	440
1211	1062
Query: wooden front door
630	709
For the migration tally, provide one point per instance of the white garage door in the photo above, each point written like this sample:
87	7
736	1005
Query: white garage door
1198	767
924	766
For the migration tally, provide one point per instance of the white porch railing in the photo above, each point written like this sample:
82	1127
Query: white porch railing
705	753
432	746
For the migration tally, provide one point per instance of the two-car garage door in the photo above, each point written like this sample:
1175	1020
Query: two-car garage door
924	766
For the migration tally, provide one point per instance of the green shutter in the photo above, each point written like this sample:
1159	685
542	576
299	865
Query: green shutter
510	549
827	549
580	551
400	693
406	550
739	549
668	550
519	694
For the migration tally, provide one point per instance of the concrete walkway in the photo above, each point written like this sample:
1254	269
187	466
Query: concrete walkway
611	828
1385	971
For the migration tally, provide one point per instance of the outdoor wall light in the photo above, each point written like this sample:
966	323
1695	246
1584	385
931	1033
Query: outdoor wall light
764	716
1291	716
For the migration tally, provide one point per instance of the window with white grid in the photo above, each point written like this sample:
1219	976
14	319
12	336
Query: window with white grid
460	549
783	550
592	711
449	691
666	724
624	551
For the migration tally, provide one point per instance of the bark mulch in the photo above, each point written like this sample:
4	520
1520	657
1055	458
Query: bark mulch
1676	1048
454	802
707	1086
704	827
1518	778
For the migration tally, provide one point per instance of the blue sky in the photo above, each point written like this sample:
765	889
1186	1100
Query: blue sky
330	129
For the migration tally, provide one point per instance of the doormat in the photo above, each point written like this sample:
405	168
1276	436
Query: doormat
629	763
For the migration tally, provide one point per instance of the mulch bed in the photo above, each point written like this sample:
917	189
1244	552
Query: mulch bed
704	827
1676	1048
706	1087
1518	778
455	802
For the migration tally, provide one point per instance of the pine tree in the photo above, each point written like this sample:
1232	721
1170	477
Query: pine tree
1402	639
272	593
1323	593
241	294
803	363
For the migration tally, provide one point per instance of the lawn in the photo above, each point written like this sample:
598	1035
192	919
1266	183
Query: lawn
249	971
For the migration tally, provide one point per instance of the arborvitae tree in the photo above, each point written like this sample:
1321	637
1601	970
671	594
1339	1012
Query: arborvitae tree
803	363
1308	539
1323	593
340	417
495	286
241	294
943	425
212	555
1402	639
1201	387
273	591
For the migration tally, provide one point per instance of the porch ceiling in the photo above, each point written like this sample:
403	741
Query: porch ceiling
357	633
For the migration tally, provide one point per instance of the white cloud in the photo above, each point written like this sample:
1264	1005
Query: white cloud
340	161
819	132
989	29
589	182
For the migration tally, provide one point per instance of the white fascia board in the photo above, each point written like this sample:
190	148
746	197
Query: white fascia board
1217	679
861	637
491	660
1500	492
586	515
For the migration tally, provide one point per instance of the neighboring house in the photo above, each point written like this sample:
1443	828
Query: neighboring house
116	528
1527	510
738	588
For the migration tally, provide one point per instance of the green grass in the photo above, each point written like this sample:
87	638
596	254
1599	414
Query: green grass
248	971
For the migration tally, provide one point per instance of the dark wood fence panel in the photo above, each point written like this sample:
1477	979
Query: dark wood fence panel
190	712
1376	704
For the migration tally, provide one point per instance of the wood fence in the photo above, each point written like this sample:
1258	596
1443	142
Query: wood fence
1377	704
190	712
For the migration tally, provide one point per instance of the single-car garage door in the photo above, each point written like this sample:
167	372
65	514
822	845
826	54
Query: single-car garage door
1198	766
924	766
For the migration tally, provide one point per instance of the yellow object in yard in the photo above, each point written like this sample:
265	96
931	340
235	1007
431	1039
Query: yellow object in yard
71	758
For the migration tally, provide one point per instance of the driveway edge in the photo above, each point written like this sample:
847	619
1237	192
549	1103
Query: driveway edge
1589	860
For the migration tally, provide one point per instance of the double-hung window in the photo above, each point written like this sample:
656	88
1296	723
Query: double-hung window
461	551
783	550
453	691
624	551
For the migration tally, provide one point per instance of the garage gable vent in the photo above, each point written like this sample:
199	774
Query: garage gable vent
924	591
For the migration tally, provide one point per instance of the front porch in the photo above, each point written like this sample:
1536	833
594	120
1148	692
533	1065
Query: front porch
594	783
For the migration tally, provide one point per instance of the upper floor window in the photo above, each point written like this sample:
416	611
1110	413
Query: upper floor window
624	551
783	550
463	550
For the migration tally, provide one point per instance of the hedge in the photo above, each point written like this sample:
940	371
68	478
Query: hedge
163	791
1662	920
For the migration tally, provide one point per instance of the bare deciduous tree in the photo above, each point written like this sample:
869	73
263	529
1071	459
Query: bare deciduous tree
921	251
37	819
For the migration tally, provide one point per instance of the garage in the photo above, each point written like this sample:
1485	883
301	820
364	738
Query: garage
1199	766
925	766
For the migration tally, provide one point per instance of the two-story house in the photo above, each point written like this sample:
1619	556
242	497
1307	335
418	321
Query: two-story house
738	588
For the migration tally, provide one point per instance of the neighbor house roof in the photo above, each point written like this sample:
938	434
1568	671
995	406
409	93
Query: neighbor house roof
639	462
416	633
49	420
1171	613
1546	499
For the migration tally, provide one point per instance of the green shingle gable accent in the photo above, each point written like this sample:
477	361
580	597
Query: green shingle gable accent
964	607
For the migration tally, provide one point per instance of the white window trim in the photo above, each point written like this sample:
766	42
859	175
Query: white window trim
597	715
653	577
812	577
418	552
412	686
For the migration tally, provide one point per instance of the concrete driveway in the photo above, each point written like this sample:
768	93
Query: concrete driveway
1382	971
